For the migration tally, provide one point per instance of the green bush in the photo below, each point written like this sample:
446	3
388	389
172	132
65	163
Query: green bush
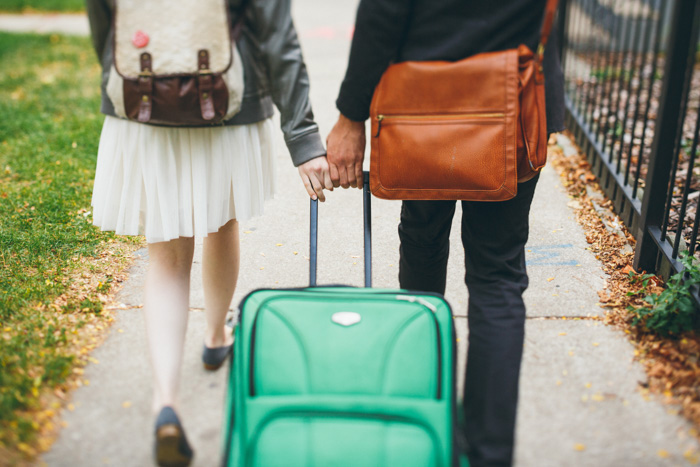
673	311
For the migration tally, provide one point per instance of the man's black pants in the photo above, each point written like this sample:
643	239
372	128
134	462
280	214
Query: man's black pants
494	237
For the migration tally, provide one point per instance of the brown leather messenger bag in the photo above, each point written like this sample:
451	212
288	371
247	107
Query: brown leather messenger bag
466	130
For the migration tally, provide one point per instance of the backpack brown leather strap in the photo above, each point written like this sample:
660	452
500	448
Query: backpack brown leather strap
205	85
145	88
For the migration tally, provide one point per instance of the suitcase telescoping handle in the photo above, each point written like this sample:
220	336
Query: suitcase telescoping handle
367	215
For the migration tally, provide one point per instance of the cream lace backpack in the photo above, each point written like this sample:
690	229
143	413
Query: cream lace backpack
175	62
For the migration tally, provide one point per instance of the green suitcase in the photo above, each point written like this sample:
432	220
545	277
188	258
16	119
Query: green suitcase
342	376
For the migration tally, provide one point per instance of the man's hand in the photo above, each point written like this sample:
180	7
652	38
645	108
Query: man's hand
346	151
315	175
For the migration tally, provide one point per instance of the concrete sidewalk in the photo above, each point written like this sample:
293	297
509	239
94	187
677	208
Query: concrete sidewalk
579	401
45	23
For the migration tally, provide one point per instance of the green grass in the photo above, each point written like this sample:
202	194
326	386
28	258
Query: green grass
42	5
49	132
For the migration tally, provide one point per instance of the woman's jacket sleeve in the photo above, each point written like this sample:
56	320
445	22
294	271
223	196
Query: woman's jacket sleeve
288	78
100	18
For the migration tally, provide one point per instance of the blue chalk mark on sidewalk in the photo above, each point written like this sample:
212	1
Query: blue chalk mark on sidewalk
548	255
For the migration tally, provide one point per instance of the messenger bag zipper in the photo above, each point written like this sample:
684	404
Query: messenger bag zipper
462	116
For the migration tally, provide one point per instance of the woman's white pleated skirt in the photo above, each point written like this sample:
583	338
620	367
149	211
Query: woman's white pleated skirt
167	182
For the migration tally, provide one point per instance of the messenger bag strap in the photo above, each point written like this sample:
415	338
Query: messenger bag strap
549	12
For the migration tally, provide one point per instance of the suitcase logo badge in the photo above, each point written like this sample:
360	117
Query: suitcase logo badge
346	318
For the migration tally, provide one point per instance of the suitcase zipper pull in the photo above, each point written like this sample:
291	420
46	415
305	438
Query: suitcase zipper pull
412	299
379	124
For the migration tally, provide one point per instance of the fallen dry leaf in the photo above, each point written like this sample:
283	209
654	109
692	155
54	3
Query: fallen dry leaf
691	456
672	364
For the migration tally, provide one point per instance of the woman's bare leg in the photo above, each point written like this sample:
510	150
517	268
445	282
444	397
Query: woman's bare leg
220	263
166	306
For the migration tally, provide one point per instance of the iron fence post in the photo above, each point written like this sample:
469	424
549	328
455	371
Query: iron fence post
680	54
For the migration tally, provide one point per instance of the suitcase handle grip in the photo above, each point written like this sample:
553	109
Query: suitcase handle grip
367	221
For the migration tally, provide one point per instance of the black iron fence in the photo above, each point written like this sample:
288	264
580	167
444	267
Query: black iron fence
633	103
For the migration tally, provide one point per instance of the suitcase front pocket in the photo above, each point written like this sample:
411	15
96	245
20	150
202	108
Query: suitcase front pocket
299	347
305	439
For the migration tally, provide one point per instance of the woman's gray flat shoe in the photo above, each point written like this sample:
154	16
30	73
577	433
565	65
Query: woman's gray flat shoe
171	448
214	358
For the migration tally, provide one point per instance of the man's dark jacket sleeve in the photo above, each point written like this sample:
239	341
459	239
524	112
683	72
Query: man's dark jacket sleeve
379	32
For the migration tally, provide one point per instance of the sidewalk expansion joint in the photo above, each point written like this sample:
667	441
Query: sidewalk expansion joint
564	318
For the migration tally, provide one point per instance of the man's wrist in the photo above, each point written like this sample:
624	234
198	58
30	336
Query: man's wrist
353	125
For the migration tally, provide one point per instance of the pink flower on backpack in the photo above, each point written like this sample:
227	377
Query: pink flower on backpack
140	39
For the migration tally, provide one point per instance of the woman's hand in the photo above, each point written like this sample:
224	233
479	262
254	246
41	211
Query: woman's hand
316	176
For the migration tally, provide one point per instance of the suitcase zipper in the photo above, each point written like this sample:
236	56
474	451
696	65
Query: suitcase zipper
413	299
462	116
347	415
431	307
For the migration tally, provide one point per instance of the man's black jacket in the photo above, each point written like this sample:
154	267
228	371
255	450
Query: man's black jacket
388	31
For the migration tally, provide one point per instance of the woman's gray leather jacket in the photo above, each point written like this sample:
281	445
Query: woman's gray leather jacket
273	66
